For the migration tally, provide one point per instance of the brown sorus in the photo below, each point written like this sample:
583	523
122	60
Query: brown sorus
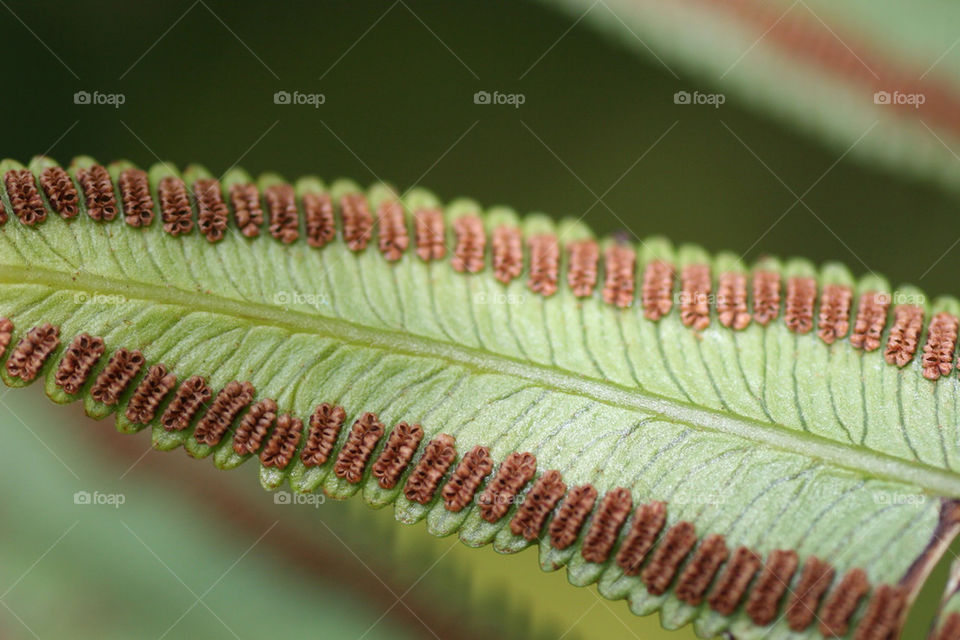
135	195
950	629
766	297
544	264
732	310
24	196
677	542
98	192
695	296
356	451
120	371
430	234
698	574
254	426
325	425
539	502
814	581
211	209
357	221
565	526
425	477
3	214
619	280
32	351
842	602
192	394
941	342
148	395
284	218
881	620
175	211
6	334
282	445
733	581
228	404
470	245
507	249
392	237
834	319
904	334
318	215
607	521
657	292
247	210
78	361
60	191
466	478
871	319
768	590
582	269
397	454
648	521
798	310
515	472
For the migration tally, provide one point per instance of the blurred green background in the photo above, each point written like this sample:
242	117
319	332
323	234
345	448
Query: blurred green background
196	553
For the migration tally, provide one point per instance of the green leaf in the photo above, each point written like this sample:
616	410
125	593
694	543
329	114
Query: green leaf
784	442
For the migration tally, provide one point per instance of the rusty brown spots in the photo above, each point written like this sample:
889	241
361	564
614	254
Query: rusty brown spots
228	404
6	334
188	399
544	264
677	542
24	196
254	426
247	211
136	198
33	349
175	208
120	371
325	425
881	620
98	192
904	334
515	472
471	242
60	192
318	216
950	629
466	478
397	454
507	248
695	296
425	477
698	574
582	270
429	231
78	361
764	598
607	521
834	319
871	319
3	214
842	602
798	311
941	342
619	280
657	292
814	581
356	451
539	502
284	219
733	582
732	308
648	521
149	394
766	296
357	221
282	445
566	525
392	239
211	209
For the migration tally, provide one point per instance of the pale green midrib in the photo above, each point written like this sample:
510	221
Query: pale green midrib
870	463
